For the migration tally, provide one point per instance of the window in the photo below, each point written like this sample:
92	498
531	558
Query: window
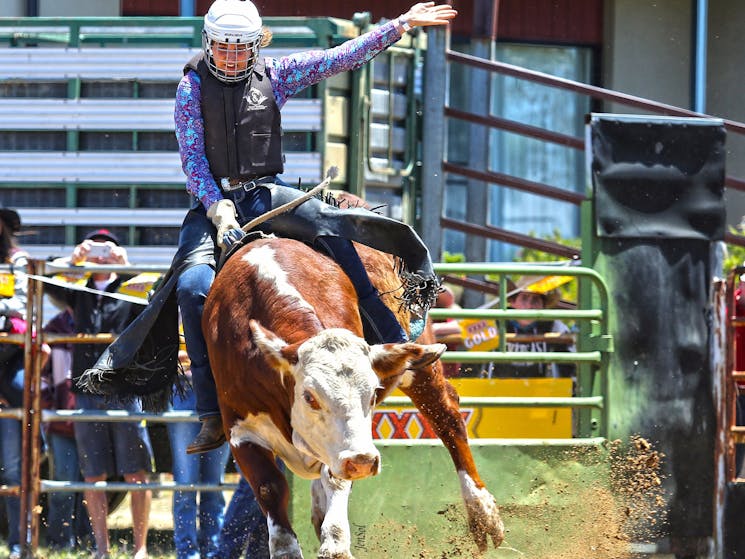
519	156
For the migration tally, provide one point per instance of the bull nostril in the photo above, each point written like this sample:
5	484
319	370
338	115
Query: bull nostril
361	465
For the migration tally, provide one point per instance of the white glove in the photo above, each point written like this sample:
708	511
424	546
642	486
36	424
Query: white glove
223	216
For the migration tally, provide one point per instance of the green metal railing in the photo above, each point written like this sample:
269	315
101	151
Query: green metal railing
169	31
593	346
590	408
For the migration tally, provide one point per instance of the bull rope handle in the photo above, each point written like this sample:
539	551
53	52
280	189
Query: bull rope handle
330	175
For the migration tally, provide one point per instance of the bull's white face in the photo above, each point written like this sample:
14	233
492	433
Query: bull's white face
335	384
334	399
336	374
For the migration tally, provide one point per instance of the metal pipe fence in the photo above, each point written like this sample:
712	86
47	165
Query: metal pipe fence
33	416
591	91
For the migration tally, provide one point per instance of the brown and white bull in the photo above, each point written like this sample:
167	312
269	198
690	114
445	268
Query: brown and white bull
296	380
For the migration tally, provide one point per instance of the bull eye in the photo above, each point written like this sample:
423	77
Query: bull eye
311	401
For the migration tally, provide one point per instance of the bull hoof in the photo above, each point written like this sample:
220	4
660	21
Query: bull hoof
484	521
331	554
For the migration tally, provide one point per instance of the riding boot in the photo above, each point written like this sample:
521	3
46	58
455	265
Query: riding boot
379	324
210	436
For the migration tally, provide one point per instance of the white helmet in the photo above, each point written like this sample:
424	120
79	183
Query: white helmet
232	22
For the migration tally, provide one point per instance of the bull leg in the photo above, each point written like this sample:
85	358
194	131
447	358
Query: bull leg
273	494
330	515
318	505
437	400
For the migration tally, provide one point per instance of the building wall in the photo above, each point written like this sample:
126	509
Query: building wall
576	22
13	8
725	93
726	88
556	21
64	8
647	50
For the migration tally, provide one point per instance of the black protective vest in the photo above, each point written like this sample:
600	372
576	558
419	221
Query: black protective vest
242	124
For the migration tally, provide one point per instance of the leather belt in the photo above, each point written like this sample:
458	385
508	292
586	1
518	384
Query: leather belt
231	185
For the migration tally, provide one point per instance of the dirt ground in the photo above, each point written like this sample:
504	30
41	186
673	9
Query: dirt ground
598	521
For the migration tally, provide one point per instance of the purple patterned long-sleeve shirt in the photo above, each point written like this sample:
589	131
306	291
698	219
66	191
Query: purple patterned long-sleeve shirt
288	75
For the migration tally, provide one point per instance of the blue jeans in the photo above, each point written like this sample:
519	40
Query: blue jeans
207	467
192	287
67	522
10	473
245	527
11	387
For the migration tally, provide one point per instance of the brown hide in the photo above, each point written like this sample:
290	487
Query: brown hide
244	381
247	385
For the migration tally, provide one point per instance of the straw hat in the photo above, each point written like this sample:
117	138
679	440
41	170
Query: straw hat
546	286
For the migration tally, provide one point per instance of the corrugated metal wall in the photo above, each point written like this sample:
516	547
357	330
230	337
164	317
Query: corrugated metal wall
577	22
547	21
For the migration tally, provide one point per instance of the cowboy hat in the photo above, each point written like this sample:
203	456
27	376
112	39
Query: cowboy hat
546	286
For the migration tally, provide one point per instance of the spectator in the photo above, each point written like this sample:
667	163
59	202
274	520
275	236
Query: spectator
109	449
207	468
12	319
739	364
448	331
536	335
68	526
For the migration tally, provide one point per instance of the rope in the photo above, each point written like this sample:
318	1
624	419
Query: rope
66	285
330	175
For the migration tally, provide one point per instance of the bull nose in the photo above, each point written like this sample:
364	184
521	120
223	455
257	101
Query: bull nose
360	466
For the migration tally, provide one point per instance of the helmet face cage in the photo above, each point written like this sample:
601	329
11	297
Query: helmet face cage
239	57
231	39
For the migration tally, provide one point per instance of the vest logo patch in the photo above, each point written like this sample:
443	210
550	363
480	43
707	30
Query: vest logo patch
255	100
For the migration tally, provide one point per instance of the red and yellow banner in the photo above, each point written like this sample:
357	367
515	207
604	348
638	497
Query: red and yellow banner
488	422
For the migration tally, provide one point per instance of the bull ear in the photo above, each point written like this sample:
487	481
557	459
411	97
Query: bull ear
277	352
390	360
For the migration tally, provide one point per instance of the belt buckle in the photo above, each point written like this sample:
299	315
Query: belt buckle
242	185
248	185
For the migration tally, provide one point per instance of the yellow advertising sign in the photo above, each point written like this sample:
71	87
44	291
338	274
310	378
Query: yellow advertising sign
140	285
75	278
517	423
479	334
488	422
7	284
